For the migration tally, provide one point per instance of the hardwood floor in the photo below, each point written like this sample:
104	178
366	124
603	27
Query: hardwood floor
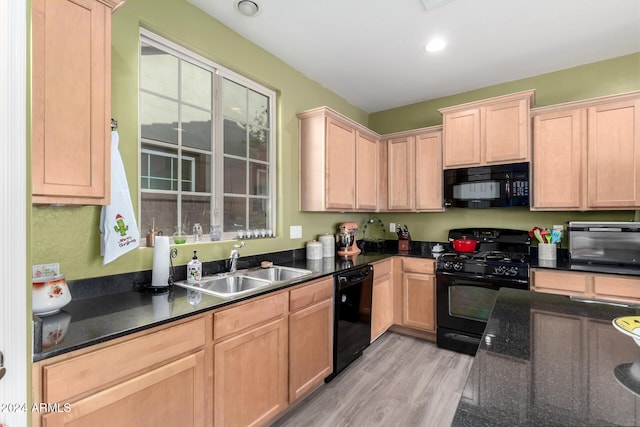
399	381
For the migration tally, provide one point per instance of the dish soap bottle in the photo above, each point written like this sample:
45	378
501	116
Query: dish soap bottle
194	269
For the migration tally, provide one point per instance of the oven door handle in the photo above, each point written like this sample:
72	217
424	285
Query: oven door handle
480	280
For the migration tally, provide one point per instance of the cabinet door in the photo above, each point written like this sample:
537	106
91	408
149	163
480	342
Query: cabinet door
366	172
174	394
310	347
558	144
462	135
506	132
418	293
400	170
340	165
250	376
617	288
382	305
71	104
608	401
557	351
614	155
428	167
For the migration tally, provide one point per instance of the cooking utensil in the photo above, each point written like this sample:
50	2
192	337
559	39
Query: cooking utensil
536	233
464	244
556	235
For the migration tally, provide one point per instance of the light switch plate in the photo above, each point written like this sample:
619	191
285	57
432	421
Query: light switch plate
295	232
392	227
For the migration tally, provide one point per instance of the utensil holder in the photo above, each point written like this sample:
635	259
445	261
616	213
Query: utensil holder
547	251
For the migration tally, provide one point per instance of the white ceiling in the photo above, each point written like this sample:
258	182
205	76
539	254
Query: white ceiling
371	52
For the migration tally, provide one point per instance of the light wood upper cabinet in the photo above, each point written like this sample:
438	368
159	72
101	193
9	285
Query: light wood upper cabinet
613	178
338	163
367	148
71	104
491	131
558	160
414	168
587	154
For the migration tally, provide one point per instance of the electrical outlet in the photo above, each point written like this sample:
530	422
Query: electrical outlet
560	227
295	232
392	227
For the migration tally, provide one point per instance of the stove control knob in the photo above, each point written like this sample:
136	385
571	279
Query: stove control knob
499	270
513	271
446	265
457	266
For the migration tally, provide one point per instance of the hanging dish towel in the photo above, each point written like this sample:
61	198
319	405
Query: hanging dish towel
119	232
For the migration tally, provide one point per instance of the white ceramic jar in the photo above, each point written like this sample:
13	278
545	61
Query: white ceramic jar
314	250
50	294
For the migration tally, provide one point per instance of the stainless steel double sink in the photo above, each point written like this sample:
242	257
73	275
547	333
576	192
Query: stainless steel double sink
229	285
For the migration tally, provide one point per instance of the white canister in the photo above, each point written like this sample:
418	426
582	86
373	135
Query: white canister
50	294
328	245
314	250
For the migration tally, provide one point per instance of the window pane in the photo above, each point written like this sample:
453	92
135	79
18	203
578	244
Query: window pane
258	179
158	71
258	143
158	118
234	213
158	168
196	86
162	207
259	213
195	209
235	138
235	176
196	172
258	109
234	101
196	128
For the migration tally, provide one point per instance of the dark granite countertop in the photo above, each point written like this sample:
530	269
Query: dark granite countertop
91	319
547	360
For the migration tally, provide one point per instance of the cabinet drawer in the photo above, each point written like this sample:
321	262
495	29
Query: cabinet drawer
418	265
72	377
559	282
239	318
381	268
616	287
311	294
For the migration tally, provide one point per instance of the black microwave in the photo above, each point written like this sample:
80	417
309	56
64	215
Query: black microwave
487	186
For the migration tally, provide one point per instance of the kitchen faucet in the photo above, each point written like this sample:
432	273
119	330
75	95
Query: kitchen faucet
234	257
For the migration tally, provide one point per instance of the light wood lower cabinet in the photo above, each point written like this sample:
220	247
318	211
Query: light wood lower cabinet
382	303
310	337
418	294
250	361
155	378
611	287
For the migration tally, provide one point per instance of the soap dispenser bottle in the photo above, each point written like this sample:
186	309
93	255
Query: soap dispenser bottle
194	269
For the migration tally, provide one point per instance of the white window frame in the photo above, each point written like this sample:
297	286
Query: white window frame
217	161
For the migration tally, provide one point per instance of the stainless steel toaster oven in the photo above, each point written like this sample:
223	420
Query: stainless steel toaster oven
605	242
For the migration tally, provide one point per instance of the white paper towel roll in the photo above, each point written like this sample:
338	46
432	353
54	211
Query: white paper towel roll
160	272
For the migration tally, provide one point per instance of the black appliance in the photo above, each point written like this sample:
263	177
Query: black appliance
487	186
352	316
467	283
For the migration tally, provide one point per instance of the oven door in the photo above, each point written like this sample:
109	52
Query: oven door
463	306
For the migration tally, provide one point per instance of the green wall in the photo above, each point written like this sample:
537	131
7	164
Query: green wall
70	236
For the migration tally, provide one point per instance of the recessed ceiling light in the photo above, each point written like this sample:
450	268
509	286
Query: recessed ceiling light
248	7
435	45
